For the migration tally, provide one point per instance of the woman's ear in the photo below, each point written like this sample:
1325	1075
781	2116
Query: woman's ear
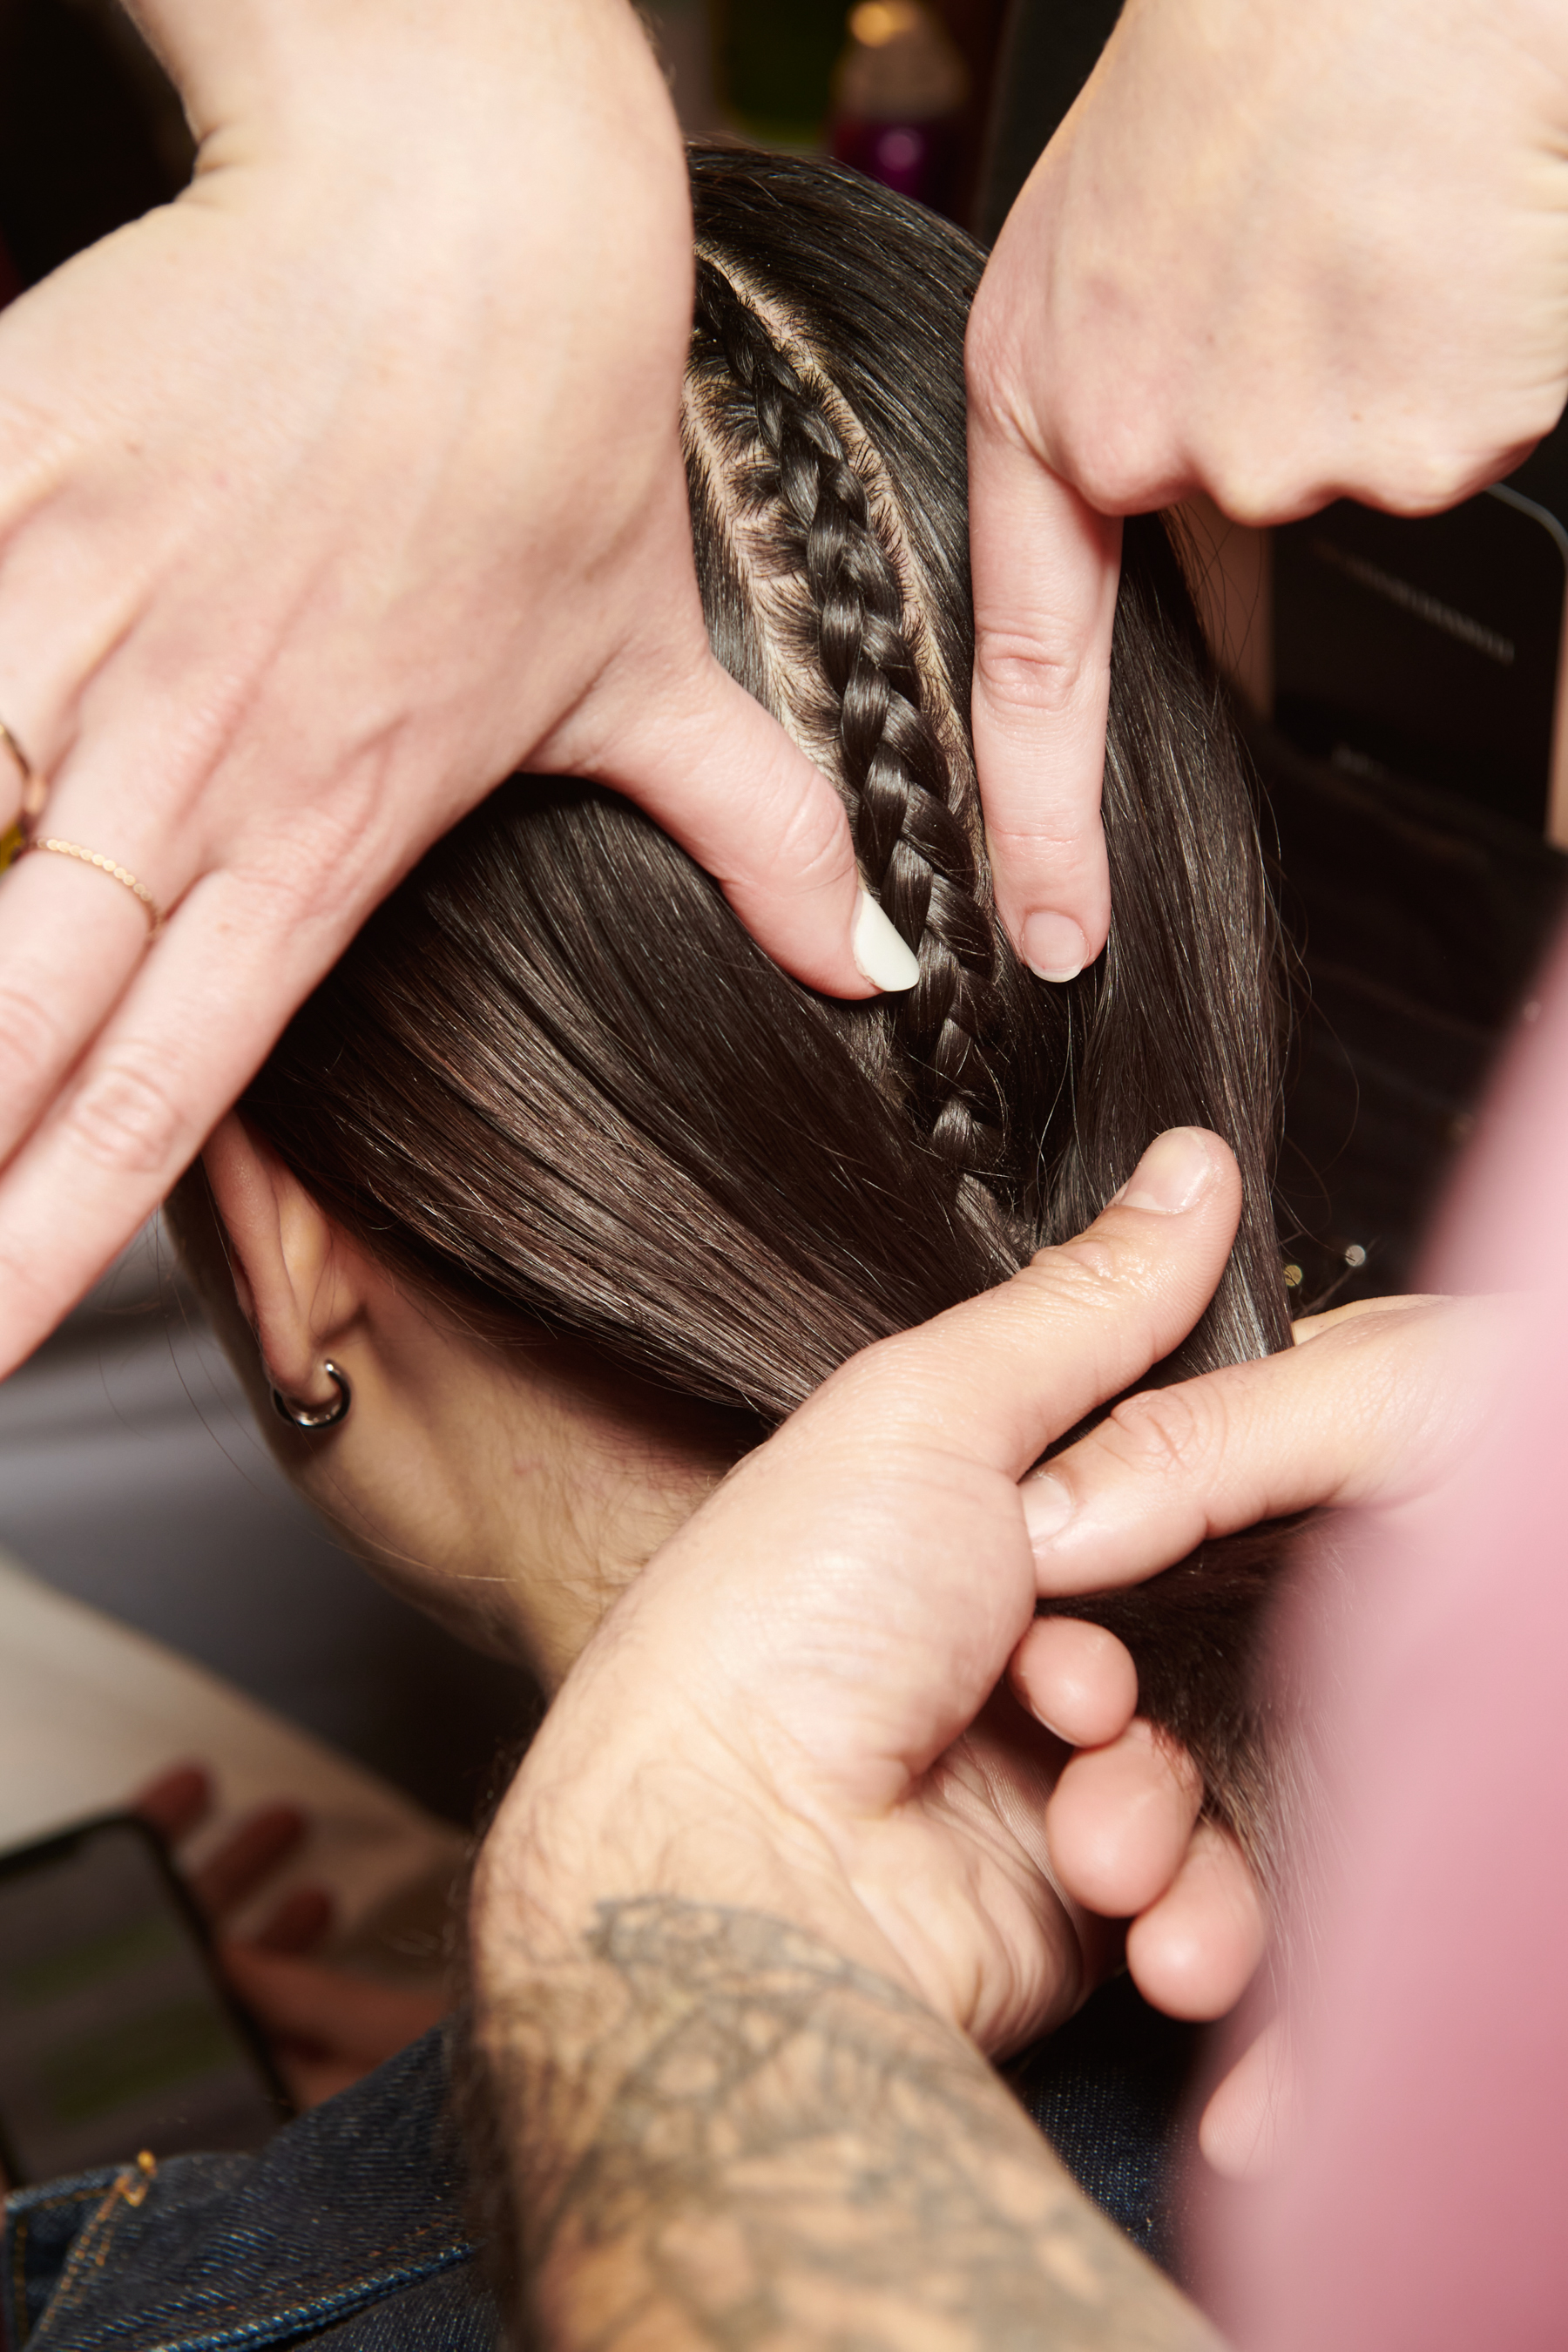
293	1276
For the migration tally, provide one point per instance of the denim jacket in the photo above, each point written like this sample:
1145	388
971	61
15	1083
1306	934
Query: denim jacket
348	2230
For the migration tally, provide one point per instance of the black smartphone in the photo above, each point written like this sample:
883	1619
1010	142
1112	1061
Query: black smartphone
117	2032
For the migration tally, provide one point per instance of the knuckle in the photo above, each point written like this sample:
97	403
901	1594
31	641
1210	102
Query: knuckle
1105	1273
879	1383
1018	667
1120	458
1169	1435
995	372
812	844
1098	1289
1255	494
1074	421
125	1120
297	864
291	888
1087	1272
1442	459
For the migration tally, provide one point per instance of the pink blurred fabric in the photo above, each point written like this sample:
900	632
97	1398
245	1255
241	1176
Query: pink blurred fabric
1425	2204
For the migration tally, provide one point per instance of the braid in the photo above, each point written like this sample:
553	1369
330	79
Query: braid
913	847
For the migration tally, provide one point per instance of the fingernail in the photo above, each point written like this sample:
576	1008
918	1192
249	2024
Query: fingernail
1054	946
880	955
1175	1171
1047	1507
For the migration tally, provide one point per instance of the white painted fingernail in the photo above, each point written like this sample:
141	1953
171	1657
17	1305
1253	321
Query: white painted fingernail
1054	946
1047	1507
880	955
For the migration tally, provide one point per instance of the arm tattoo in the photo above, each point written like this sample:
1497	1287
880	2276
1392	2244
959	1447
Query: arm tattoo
717	2131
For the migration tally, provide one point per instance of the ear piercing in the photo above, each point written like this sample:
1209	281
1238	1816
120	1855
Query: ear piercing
314	1417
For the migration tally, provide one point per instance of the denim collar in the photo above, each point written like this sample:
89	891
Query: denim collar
361	2201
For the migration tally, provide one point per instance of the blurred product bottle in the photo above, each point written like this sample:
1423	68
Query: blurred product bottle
898	91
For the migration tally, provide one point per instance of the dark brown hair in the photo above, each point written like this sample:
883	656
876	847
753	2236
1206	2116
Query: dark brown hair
555	1079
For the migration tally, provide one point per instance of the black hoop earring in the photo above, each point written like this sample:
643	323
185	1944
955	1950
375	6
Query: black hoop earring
318	1416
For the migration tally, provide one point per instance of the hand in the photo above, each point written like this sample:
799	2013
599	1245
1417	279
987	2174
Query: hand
327	2026
790	1705
1279	254
329	495
777	1851
178	1801
1379	1404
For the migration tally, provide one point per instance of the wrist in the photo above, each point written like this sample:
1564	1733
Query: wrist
615	1805
355	76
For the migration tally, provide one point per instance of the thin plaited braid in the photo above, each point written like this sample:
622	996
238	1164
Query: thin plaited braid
913	850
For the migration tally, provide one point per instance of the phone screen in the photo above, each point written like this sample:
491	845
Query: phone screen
116	2033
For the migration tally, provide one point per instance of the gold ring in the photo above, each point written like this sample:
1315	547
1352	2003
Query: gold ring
120	874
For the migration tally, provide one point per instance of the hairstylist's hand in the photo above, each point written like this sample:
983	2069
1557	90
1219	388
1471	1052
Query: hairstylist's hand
789	1708
777	1851
1278	253
1380	1404
329	495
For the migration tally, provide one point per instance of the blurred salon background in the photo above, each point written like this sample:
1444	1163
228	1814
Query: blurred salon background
1400	684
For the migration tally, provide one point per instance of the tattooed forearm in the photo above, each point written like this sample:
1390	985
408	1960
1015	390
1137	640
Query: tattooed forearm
716	2131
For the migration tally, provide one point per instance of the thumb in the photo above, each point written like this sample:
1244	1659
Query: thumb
720	774
1045	566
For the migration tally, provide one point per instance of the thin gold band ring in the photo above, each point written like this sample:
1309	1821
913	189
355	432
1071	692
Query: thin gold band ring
121	874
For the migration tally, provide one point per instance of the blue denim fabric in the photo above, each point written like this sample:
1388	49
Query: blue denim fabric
1109	2089
348	2230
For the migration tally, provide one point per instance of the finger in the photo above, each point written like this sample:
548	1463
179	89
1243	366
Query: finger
1247	2125
997	1379
176	1802
1195	1949
719	772
1374	1407
71	940
1046	568
1078	1680
300	1922
302	2001
247	1859
196	1022
1121	1820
